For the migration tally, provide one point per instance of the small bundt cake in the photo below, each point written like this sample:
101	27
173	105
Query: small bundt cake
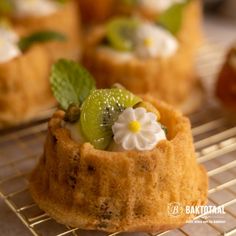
190	15
86	180
226	85
145	59
24	85
50	15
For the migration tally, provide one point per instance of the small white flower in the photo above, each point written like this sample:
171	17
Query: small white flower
154	41
8	34
159	5
8	51
137	129
8	45
34	7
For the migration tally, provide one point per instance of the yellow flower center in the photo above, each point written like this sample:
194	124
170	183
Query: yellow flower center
134	126
148	42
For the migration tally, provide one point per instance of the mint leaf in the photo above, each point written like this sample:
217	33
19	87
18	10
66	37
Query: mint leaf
70	83
172	18
40	37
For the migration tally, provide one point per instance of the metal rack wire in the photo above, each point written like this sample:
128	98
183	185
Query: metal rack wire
215	142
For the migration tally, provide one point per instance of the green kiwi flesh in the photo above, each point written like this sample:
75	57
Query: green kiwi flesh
120	33
99	112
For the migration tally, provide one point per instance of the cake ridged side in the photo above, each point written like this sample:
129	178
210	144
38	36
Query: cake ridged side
24	86
66	21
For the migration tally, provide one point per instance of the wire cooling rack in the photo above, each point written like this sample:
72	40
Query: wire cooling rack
215	142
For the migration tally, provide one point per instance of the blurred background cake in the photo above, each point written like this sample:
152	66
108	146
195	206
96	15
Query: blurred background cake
170	39
95	13
50	15
24	85
226	85
33	34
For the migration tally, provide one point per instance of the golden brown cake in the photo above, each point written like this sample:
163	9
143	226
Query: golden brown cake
65	20
226	85
87	188
172	79
191	33
24	86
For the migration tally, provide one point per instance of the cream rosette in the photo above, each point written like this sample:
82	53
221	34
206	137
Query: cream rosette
34	7
8	44
153	41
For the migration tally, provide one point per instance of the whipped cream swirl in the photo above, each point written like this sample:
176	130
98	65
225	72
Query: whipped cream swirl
154	41
34	7
8	44
8	34
137	129
159	5
75	131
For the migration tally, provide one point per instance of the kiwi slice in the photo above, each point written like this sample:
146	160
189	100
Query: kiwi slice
120	33
99	112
